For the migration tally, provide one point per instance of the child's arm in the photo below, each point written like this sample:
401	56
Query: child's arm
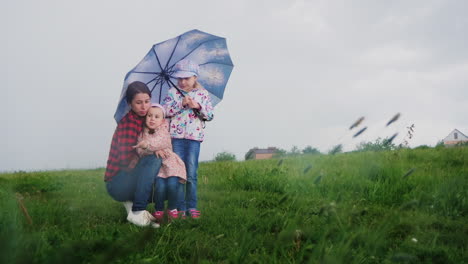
159	146
142	148
206	108
145	148
201	103
158	143
173	103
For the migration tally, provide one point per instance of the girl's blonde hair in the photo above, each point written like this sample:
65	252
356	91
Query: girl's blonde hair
197	85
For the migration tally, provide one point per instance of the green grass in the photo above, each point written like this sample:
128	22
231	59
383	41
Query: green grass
405	206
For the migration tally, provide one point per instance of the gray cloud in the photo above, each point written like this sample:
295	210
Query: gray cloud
304	71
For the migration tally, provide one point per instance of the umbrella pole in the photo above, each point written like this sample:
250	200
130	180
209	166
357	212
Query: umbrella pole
177	88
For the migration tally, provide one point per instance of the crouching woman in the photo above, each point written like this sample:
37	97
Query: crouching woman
129	179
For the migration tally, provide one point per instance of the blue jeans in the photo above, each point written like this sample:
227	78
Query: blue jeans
135	185
188	150
167	188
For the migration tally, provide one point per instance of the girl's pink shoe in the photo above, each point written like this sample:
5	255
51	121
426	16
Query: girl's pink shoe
194	213
159	215
173	214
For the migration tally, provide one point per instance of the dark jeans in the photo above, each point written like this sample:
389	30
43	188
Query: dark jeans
135	185
167	188
188	150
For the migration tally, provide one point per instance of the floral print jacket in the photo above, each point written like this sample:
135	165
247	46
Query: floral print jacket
184	122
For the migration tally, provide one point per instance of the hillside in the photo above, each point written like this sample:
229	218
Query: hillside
405	206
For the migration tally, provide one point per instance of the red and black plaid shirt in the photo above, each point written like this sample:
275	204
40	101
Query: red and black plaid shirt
121	151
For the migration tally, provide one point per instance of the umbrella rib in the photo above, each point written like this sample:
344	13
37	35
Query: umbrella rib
175	87
157	58
144	72
172	53
151	80
160	91
160	81
216	63
154	86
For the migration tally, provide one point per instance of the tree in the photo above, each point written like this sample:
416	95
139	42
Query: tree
462	144
422	147
377	145
440	144
225	156
310	150
295	151
280	153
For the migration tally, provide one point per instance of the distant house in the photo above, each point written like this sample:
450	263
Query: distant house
257	153
455	137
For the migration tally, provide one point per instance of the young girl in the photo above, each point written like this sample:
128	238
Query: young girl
155	137
186	109
128	178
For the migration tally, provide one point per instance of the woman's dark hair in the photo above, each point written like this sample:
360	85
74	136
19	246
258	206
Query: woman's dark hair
135	88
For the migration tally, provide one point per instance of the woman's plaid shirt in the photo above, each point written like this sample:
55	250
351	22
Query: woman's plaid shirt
125	137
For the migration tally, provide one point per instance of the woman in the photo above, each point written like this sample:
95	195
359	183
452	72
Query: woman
128	178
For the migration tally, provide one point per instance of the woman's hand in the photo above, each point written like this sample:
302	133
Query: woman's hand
132	164
161	154
142	144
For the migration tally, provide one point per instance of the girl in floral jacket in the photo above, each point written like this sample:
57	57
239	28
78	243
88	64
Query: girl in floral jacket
188	108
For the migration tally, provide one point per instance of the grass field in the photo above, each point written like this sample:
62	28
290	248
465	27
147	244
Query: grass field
404	206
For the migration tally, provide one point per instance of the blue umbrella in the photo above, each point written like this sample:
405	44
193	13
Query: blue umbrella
157	67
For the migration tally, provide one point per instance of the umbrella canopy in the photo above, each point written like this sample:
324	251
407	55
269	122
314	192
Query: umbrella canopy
157	67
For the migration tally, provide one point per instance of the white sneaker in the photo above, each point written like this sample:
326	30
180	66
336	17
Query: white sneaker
154	225
141	218
128	206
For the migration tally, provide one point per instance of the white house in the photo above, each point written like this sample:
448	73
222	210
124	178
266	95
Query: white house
454	138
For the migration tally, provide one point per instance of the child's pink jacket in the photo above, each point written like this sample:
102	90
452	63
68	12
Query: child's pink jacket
161	140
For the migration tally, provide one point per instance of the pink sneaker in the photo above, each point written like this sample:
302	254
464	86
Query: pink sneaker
159	215
173	214
194	213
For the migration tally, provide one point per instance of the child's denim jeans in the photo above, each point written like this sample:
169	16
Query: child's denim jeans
167	188
188	150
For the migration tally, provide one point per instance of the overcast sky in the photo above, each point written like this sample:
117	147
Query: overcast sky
304	72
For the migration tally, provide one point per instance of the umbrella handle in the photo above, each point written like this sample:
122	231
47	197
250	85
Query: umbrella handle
196	111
